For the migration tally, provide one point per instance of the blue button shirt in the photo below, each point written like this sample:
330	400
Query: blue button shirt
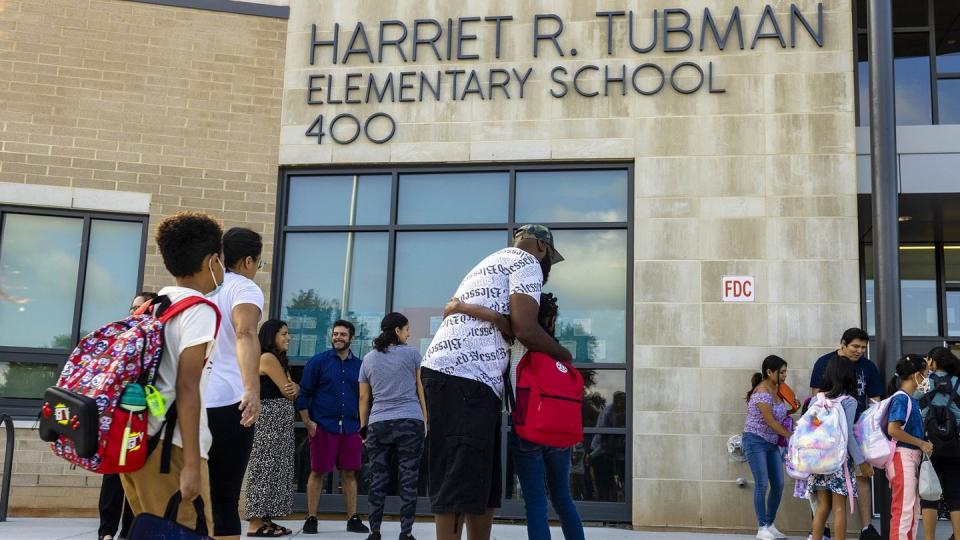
330	392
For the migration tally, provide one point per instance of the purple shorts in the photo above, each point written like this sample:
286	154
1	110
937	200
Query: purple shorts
329	450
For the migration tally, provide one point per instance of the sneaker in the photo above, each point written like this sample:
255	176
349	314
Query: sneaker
870	533
310	525
407	536
355	524
826	533
765	534
773	529
375	535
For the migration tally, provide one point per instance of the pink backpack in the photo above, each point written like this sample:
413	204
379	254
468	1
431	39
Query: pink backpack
80	415
871	432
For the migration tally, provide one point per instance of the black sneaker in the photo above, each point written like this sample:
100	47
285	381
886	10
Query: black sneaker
310	525
407	536
375	535
355	524
870	533
826	532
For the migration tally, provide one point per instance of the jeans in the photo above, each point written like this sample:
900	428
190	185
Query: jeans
533	464
766	464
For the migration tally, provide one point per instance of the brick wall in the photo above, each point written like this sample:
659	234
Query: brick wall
181	104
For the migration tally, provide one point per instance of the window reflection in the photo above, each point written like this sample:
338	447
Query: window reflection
918	290
597	470
863	81
912	78
313	288
20	380
948	99
429	268
571	196
947	13
454	198
39	265
326	200
602	388
113	264
590	286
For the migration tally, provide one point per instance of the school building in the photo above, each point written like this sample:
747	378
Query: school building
704	165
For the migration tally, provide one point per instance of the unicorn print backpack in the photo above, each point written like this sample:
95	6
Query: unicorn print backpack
819	443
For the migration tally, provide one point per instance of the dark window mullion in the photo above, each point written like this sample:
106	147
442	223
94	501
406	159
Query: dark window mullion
81	279
942	289
392	239
932	40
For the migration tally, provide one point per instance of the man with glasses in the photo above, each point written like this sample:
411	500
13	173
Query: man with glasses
853	346
113	504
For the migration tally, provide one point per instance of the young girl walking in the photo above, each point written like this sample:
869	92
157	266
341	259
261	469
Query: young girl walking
905	425
833	491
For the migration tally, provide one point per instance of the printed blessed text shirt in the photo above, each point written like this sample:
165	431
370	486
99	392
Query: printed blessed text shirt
474	349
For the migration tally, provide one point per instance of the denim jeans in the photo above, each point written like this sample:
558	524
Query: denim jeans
766	464
534	463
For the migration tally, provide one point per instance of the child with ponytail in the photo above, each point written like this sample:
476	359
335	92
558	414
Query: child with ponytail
905	425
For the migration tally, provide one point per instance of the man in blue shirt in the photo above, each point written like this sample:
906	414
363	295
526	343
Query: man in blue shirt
328	404
853	346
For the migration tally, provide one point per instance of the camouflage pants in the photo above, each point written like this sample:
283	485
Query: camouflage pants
405	437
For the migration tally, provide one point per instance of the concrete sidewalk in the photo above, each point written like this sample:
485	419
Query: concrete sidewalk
63	528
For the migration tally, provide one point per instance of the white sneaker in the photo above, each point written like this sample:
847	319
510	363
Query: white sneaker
776	533
765	534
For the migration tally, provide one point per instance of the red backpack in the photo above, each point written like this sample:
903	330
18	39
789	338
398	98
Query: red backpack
80	416
549	406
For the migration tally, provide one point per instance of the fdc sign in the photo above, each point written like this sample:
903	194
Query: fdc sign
738	289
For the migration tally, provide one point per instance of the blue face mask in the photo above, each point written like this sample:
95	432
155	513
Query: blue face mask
217	286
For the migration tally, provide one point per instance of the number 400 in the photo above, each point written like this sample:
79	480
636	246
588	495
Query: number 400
316	129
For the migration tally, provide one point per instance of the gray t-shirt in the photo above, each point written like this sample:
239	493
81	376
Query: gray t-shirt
392	377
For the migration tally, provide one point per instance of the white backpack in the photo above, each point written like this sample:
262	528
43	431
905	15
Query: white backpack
871	432
819	443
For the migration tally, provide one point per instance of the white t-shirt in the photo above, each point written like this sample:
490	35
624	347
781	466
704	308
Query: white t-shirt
196	325
474	349
226	386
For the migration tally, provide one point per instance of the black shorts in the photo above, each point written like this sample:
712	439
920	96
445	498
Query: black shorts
463	446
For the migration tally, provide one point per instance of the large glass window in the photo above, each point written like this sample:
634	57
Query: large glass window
480	197
417	243
951	264
923	315
329	276
62	275
927	60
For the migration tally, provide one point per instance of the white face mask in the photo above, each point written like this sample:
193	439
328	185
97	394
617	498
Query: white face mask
924	385
217	286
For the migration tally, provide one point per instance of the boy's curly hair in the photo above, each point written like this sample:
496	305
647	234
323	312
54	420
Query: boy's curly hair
185	239
548	310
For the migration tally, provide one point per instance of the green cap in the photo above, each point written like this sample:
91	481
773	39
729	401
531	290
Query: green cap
539	232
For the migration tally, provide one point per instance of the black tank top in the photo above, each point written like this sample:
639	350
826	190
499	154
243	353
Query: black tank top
268	389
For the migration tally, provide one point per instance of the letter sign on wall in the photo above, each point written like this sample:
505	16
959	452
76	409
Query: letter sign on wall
738	289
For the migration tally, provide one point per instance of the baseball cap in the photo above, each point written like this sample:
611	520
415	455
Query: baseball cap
539	232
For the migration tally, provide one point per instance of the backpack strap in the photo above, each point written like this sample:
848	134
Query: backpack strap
165	437
165	314
510	399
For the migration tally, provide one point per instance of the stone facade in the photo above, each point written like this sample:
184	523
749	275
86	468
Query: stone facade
105	98
759	180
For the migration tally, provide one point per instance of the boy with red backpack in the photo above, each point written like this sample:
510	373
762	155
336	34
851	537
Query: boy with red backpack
190	244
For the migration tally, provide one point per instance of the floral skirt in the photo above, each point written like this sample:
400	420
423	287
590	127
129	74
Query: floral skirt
834	483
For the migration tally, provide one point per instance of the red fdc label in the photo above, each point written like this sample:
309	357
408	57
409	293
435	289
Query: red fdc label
738	289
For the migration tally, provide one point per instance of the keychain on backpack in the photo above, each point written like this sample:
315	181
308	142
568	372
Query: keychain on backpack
156	402
132	400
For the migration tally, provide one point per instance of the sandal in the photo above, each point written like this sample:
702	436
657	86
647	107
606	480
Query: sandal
265	532
285	531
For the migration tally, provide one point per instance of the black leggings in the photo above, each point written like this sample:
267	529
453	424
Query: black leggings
229	454
113	505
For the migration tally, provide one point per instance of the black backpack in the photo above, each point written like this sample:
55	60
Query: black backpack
941	423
